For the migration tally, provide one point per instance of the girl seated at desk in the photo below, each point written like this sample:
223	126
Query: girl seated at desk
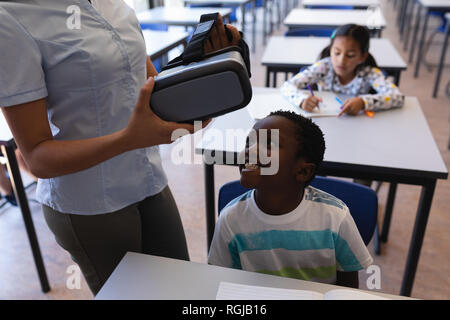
346	67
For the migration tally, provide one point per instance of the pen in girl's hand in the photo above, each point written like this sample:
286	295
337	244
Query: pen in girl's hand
312	94
310	90
340	102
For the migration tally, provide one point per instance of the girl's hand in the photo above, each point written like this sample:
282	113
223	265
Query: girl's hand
352	106
310	103
146	129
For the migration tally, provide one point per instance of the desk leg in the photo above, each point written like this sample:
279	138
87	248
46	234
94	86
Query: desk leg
441	61
402	18
415	32
264	22
420	224
267	77
421	43
209	205
399	13
243	18
388	212
254	25
397	78
408	26
19	191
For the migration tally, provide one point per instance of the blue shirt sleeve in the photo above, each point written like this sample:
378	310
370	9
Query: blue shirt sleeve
22	77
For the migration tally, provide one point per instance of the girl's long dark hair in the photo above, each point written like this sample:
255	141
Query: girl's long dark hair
360	34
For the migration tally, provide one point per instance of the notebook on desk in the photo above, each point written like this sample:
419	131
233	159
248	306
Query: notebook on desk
262	104
235	291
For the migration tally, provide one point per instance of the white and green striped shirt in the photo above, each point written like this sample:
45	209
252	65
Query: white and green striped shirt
312	242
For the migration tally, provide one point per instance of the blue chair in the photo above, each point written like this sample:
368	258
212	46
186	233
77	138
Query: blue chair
157	63
361	200
439	29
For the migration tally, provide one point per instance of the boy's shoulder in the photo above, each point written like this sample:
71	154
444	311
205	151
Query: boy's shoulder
237	203
324	199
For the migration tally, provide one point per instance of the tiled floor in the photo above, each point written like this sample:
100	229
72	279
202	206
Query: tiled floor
18	277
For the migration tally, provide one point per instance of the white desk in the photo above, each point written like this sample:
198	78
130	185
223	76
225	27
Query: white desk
5	133
356	4
178	16
424	7
289	54
139	277
311	18
159	43
7	148
394	146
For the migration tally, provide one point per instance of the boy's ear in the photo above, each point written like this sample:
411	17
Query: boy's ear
304	170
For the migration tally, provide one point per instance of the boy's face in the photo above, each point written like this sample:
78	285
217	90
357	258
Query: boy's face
285	150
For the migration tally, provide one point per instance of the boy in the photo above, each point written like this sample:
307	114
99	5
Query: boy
285	227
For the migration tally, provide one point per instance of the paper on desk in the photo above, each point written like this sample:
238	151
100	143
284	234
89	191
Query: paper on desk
263	104
234	291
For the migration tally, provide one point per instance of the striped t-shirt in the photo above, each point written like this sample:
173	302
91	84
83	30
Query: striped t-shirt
312	242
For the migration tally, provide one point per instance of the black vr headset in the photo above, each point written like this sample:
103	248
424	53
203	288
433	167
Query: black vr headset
198	86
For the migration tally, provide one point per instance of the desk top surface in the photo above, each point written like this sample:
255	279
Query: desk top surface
397	140
159	41
435	3
178	15
305	51
140	276
334	17
359	3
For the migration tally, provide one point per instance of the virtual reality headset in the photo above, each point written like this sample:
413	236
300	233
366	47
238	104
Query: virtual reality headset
195	86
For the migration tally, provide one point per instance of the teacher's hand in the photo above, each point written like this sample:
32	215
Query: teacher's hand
146	129
218	38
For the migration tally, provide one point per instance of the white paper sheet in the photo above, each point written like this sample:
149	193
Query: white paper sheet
263	104
234	291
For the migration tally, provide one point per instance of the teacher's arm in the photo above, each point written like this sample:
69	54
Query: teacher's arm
47	157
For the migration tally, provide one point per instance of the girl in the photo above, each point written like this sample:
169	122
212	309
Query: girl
346	67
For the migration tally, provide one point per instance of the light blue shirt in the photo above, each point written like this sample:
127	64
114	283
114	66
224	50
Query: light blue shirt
91	78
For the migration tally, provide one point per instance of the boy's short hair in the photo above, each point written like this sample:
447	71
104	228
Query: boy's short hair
311	143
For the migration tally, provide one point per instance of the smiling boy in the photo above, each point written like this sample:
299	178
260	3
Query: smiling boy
283	226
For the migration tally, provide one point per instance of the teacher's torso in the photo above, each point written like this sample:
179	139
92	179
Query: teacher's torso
92	65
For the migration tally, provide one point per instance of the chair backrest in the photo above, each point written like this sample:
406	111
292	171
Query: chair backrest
309	32
362	201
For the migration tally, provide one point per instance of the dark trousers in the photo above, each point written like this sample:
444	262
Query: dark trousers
97	243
